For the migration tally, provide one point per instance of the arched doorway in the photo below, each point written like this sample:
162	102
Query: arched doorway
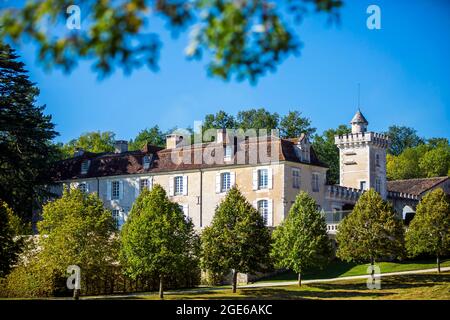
408	214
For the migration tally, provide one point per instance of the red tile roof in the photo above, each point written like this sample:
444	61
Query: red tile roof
415	186
131	162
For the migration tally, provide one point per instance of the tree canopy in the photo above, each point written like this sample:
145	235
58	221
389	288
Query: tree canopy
242	39
95	141
153	136
237	239
26	150
292	125
77	230
157	239
401	138
429	230
426	160
301	241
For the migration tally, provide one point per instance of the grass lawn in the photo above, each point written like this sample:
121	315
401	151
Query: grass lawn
337	269
420	286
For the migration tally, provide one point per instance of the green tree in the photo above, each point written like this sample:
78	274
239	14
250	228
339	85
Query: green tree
402	138
26	151
237	239
78	231
91	141
153	136
437	142
435	162
10	247
328	152
371	231
301	241
220	120
406	165
244	39
257	119
156	239
293	125
429	230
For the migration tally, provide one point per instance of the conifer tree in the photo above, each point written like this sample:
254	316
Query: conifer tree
26	150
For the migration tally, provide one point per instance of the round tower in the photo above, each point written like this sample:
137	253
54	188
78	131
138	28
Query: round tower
359	123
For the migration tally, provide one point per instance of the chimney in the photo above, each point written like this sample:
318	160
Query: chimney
78	152
120	146
222	136
174	141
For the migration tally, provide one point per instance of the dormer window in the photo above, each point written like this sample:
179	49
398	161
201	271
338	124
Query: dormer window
85	166
302	149
146	162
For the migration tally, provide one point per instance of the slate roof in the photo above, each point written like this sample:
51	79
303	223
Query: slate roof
359	118
131	162
414	186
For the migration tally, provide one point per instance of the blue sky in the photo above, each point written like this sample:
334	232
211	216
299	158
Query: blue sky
403	69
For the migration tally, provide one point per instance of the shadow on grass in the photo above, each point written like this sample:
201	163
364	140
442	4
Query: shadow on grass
348	289
280	294
333	270
337	268
392	282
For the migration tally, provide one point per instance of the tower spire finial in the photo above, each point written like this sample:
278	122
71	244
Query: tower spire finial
359	96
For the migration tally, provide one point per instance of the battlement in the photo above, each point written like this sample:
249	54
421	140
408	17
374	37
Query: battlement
337	192
362	138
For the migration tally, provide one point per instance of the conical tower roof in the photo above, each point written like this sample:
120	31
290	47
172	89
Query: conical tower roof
359	118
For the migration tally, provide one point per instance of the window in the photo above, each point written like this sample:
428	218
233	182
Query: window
263	208
315	182
362	185
178	182
116	217
263	179
378	185
82	187
146	162
85	166
227	152
143	184
225	181
115	190
295	178
377	160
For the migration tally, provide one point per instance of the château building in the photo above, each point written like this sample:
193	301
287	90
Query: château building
270	183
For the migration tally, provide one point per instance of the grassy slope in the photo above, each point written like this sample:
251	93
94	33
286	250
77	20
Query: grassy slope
420	286
337	269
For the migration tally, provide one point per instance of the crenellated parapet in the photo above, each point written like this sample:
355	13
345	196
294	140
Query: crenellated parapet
336	192
361	139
